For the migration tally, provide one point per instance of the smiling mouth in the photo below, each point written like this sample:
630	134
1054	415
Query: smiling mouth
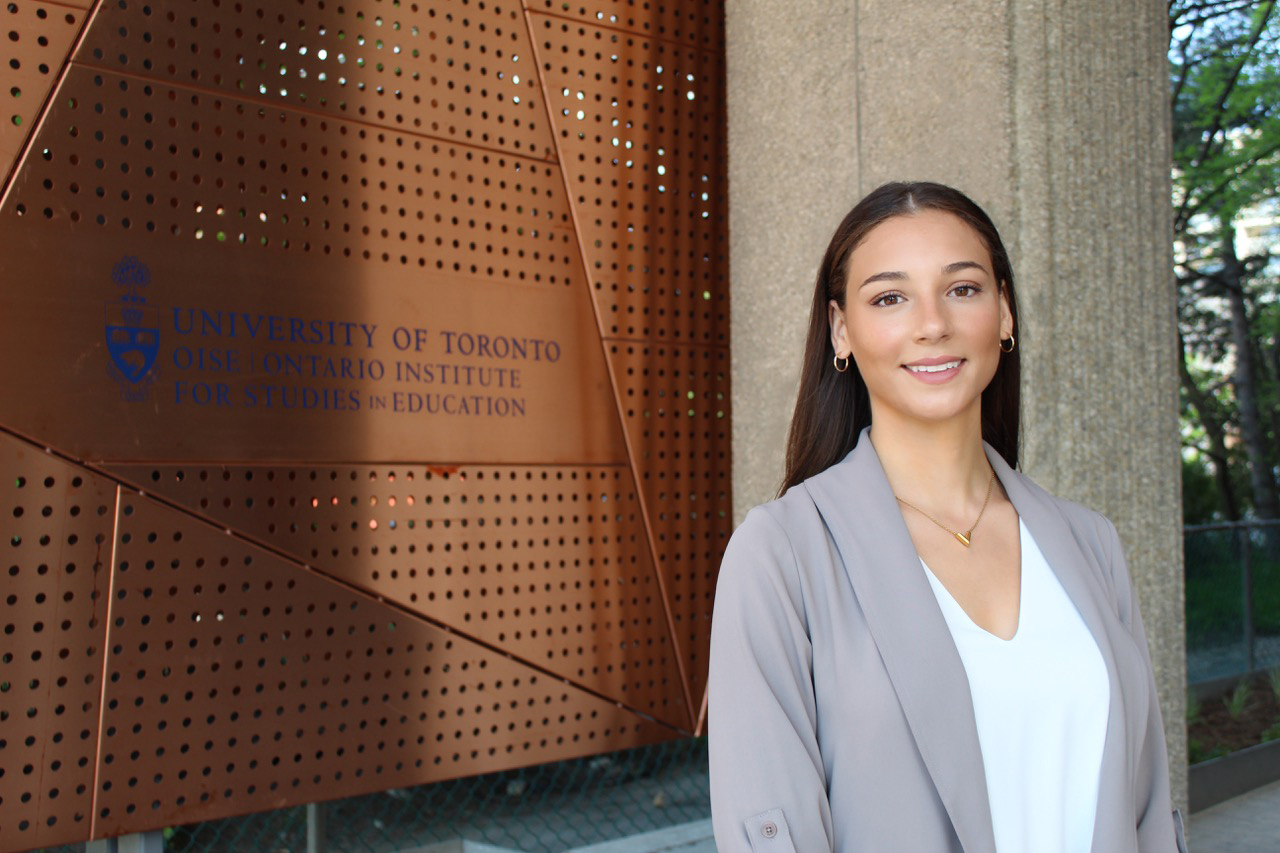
933	368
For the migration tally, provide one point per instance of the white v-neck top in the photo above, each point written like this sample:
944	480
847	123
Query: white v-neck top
1041	701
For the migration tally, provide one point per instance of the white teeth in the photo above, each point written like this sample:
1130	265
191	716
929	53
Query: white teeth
932	368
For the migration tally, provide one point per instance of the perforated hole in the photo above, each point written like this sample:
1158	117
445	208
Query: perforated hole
548	563
34	40
58	526
235	677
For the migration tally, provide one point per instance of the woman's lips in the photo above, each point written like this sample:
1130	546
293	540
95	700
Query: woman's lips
934	371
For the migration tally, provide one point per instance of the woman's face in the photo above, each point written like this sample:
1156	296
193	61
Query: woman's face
923	318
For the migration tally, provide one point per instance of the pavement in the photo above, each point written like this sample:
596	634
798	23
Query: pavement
1249	823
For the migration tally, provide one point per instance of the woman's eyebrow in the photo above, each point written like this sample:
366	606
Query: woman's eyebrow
949	269
963	265
884	276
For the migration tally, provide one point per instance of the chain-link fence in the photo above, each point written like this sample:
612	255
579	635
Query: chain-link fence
1233	598
544	809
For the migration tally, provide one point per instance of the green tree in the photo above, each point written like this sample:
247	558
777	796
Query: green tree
1225	90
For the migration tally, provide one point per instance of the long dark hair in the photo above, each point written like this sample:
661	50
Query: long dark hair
833	408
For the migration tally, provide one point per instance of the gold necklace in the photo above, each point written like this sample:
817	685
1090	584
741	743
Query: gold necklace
963	538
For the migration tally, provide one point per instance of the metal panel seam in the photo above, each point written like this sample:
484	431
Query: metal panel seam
102	692
38	124
615	29
613	381
347	585
319	115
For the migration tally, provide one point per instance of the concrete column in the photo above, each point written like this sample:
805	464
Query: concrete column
1052	114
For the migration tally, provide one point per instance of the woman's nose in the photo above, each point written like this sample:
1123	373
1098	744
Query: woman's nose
932	320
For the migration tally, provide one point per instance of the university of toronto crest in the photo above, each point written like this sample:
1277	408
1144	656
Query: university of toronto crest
132	330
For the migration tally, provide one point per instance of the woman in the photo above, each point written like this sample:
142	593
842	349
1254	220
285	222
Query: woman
916	648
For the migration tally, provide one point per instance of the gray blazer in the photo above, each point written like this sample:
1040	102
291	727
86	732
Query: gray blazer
840	715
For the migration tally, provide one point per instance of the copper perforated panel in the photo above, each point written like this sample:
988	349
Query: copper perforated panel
237	677
694	22
638	122
548	564
58	532
450	69
388	342
131	156
37	38
676	412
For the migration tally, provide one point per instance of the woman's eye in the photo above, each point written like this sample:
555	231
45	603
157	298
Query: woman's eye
887	299
966	290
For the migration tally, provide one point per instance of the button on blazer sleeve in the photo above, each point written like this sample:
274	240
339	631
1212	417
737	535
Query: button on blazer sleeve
762	715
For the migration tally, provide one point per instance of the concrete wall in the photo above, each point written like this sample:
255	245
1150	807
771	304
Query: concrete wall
1054	117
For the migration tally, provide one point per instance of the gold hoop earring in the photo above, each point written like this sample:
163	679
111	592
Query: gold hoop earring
1010	341
836	361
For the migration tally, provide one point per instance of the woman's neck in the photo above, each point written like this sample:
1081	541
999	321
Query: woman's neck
938	466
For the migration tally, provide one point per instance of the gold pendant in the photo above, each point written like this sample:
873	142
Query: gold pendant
964	540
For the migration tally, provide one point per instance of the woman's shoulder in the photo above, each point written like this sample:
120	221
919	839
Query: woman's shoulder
1085	523
774	535
790	515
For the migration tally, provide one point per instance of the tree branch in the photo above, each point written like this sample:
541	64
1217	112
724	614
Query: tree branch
1186	213
1220	107
1218	12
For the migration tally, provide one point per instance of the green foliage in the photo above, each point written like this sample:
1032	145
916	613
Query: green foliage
1225	76
1196	751
1271	733
1238	699
1193	708
1225	94
1199	491
1273	681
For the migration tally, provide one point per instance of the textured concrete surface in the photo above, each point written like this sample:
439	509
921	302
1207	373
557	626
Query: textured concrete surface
793	173
1054	116
1093	225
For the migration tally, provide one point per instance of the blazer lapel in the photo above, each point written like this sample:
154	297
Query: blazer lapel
1083	579
909	630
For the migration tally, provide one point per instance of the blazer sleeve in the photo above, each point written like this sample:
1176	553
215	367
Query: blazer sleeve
768	788
1159	827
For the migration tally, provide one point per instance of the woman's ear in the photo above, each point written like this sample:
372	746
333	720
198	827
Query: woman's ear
1006	313
839	330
